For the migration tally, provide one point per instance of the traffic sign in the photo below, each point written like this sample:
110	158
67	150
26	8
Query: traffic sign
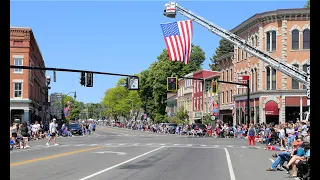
133	83
243	78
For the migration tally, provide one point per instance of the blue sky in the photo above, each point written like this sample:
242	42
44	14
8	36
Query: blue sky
120	37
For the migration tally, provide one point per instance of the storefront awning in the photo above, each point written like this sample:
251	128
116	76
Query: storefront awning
271	109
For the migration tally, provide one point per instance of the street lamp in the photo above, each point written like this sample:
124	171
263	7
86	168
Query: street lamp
74	96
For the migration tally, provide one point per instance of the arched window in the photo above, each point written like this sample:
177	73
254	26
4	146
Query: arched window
257	41
252	41
295	83
304	68
271	78
274	79
271	41
306	39
295	39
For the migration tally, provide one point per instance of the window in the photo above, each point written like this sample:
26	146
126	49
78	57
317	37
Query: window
18	43
238	54
231	75
274	41
257	41
295	39
304	68
194	104
295	83
271	41
195	86
256	78
252	41
242	54
268	78
274	79
227	75
227	97
306	39
17	90
231	96
222	97
222	75
200	86
197	108
200	104
268	41
18	62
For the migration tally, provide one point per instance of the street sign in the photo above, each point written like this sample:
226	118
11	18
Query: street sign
133	83
241	78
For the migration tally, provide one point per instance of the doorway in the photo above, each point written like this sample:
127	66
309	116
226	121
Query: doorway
272	119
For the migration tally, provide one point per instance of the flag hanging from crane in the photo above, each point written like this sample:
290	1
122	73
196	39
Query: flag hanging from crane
178	38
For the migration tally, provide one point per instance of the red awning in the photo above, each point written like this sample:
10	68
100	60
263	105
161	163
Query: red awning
271	109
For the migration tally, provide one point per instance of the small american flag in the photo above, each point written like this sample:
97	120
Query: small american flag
178	38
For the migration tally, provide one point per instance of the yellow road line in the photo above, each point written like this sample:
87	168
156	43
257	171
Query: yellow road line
53	156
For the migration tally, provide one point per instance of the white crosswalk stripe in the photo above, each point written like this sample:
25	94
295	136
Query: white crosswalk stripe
37	147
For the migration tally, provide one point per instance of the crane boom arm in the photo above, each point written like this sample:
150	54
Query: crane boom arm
285	68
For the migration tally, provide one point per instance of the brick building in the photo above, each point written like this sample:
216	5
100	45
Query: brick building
226	91
275	97
28	93
185	95
198	94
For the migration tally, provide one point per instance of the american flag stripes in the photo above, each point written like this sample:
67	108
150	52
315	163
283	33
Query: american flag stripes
210	101
178	38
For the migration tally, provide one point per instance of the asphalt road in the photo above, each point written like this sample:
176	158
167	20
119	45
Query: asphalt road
122	154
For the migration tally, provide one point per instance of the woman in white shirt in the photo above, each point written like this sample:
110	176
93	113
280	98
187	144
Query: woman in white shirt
282	136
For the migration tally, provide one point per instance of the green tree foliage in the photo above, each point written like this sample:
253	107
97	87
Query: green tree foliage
119	101
207	120
153	81
224	48
75	107
307	4
182	114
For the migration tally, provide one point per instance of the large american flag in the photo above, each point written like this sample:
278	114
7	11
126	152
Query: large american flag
178	38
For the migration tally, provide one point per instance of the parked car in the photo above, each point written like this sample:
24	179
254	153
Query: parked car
172	127
75	128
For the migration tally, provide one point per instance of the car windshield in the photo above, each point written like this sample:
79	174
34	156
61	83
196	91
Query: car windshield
72	126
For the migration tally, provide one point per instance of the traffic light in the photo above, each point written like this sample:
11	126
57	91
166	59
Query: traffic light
214	85
207	84
83	79
172	83
89	79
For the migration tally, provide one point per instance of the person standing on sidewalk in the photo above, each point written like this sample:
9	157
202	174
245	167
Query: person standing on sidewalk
251	135
53	130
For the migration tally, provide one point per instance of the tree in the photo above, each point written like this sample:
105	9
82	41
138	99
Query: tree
307	4
119	100
182	114
207	120
224	48
153	81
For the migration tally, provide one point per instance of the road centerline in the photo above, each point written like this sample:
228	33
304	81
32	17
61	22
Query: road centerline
53	156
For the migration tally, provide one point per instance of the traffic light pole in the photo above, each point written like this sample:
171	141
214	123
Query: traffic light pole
248	102
68	70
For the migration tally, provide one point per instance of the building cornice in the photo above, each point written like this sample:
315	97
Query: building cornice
271	16
257	94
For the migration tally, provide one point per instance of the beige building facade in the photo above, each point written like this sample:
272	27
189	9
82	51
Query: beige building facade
275	97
